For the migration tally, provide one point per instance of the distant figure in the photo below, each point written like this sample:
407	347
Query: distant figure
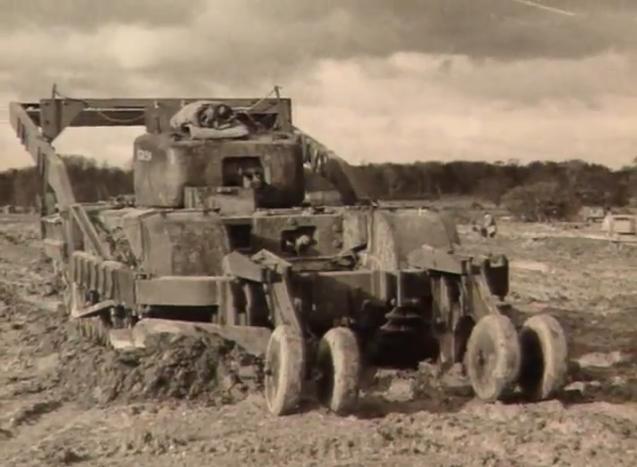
488	229
607	222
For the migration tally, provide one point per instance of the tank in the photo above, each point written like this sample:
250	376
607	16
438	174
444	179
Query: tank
244	226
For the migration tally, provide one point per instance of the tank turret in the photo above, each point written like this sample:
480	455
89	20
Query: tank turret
212	155
192	158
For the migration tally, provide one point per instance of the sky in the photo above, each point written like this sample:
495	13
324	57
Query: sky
375	80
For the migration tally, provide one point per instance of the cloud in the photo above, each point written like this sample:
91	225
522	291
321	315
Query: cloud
244	42
401	110
375	79
89	15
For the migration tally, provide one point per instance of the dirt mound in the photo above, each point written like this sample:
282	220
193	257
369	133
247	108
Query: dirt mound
8	298
203	368
70	367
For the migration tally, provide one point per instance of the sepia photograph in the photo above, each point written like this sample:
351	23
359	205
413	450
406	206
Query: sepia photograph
318	233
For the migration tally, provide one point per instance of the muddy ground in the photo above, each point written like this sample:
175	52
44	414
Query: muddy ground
66	401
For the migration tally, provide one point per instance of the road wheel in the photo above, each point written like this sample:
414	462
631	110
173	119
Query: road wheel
339	365
544	357
284	370
493	357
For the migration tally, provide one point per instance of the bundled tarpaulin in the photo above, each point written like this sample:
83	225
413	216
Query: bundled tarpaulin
208	120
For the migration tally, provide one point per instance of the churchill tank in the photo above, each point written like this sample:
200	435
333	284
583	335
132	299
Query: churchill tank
244	226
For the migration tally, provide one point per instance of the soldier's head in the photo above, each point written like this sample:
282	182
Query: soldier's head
223	112
207	116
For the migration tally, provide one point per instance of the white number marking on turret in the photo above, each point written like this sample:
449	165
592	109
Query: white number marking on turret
144	155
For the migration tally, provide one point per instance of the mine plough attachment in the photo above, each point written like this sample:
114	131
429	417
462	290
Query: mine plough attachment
231	234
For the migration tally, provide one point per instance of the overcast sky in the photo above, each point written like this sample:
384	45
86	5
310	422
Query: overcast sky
376	80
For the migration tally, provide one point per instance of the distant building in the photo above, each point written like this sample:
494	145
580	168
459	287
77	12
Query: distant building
620	226
592	213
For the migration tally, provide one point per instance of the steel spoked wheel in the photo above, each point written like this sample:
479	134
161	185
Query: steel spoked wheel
544	357
339	366
284	369
493	357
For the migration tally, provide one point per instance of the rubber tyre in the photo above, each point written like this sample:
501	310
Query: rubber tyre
493	357
284	369
544	357
339	364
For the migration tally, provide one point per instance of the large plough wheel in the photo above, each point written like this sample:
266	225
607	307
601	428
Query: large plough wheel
339	365
284	370
544	357
493	357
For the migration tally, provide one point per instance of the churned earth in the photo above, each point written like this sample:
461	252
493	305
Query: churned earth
197	402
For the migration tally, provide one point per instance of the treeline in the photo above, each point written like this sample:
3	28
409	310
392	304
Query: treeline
546	188
91	181
590	183
535	191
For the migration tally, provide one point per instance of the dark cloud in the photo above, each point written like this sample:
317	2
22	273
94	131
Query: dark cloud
503	29
91	14
249	41
491	28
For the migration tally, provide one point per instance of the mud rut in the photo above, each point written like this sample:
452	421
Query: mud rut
196	401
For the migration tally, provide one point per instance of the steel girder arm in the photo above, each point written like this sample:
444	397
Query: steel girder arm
50	165
54	115
273	272
52	169
484	280
326	163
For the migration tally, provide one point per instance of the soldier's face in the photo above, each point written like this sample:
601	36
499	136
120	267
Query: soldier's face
208	114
